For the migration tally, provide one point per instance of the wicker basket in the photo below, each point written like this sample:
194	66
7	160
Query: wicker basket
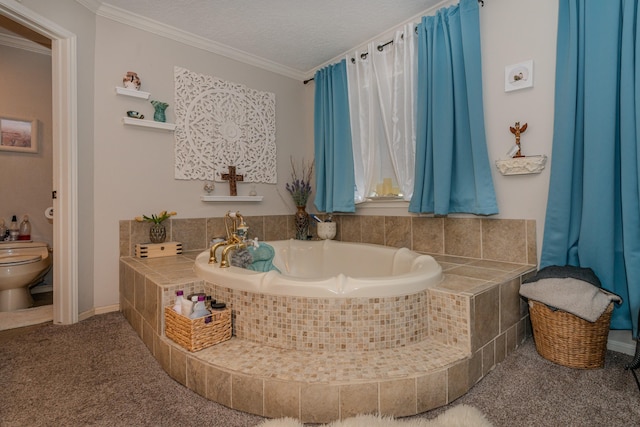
196	334
568	340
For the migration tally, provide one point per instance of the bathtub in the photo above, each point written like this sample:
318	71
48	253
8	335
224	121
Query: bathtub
329	268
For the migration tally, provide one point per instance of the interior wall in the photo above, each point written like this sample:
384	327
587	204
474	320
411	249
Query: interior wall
124	172
134	167
514	31
27	179
511	31
79	20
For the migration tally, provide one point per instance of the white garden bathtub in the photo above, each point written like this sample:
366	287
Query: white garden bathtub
329	268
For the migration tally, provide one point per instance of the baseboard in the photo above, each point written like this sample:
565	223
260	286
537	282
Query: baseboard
98	310
621	341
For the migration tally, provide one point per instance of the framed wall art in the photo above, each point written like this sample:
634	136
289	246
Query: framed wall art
18	134
518	76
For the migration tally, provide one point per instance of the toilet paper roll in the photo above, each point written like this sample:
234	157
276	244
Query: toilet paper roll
49	212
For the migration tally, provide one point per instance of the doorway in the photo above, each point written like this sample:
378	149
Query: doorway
64	124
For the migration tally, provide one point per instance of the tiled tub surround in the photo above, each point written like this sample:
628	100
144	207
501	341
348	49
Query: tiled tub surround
473	319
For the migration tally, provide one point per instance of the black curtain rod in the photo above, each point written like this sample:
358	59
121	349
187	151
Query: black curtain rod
380	48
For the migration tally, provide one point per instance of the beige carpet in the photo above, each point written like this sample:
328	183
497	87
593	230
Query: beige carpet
99	373
458	416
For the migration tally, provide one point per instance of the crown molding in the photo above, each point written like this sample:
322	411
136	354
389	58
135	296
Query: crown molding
137	21
22	43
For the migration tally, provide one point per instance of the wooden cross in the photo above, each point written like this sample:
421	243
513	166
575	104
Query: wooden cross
232	178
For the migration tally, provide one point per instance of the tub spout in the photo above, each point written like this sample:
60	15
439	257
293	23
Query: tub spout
225	252
212	251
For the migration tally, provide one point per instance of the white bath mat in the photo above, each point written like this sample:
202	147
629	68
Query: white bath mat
458	416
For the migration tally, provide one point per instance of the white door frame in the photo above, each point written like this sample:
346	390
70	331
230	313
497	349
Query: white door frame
65	165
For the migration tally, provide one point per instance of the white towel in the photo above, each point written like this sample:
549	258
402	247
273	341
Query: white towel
574	296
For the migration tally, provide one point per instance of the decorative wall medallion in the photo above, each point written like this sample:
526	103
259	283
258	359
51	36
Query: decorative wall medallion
220	123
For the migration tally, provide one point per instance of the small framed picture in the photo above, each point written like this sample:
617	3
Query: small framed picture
18	134
518	76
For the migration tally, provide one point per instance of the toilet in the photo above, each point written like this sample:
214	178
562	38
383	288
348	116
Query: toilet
22	264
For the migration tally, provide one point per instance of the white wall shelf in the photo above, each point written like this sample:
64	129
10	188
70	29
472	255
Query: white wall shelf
132	92
149	124
209	198
522	165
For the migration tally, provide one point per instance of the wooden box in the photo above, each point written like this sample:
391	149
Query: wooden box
157	250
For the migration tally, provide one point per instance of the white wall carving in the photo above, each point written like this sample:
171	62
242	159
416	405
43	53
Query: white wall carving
221	124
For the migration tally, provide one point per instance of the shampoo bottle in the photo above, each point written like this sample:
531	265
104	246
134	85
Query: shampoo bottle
177	307
25	229
199	308
187	307
14	230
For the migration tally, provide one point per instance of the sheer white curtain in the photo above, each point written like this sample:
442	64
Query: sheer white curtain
382	87
366	119
395	71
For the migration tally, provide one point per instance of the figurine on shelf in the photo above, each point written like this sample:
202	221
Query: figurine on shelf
135	115
517	130
160	107
131	81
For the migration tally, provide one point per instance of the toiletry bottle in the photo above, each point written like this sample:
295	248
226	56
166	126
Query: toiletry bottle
3	230
177	307
187	307
199	309
14	230
25	229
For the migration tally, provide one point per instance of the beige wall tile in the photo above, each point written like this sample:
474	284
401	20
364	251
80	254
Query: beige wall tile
427	234
162	352
475	368
151	302
532	245
256	227
486	317
431	391
191	232
358	399
462	237
457	380
398	397
147	335
197	375
350	226
488	357
125	235
215	228
178	365
247	394
504	240
138	291
373	229
397	231
281	399
218	386
275	227
510	304
319	403
501	348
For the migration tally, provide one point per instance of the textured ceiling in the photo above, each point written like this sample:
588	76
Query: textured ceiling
299	34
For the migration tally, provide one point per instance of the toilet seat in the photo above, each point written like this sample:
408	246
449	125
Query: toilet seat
11	260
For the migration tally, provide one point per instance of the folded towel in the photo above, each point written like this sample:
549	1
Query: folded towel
563	271
262	258
574	296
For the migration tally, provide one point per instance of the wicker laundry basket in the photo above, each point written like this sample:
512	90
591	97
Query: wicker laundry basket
568	340
200	333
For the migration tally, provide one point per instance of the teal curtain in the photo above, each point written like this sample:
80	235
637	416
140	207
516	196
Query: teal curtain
335	178
453	173
593	209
